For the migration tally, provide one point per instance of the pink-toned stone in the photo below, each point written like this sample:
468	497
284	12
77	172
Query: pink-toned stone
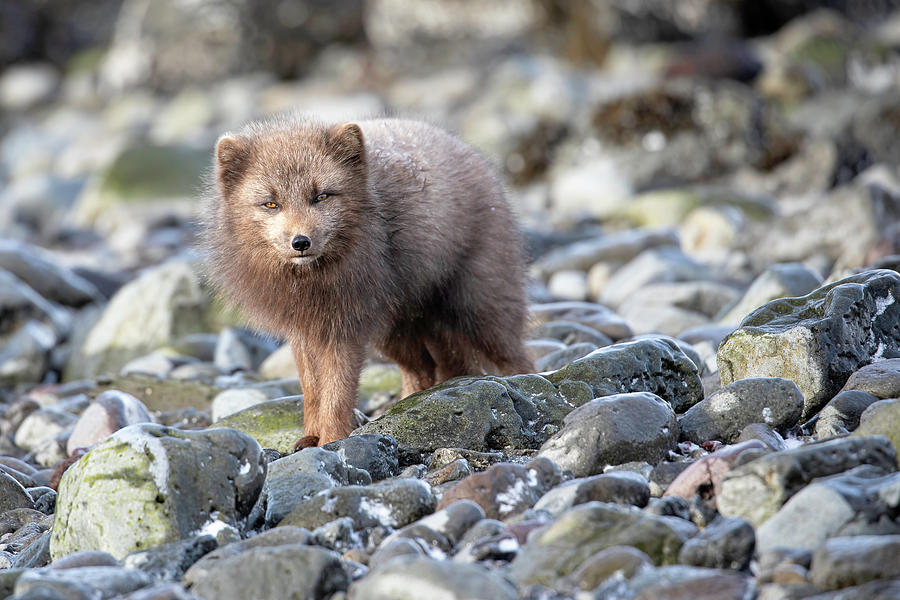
110	411
708	471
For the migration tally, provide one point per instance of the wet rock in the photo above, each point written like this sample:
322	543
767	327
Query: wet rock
571	333
771	400
410	578
777	281
80	582
392	503
596	316
765	434
726	543
25	357
13	494
613	430
847	561
168	483
757	490
478	414
502	491
272	572
294	478
654	365
280	536
454	520
859	501
110	411
842	413
376	454
881	418
274	424
159	306
820	339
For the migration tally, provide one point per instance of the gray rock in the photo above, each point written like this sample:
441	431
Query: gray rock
470	546
619	247
617	487
337	535
726	543
276	424
764	433
295	478
777	281
595	316
24	86
881	418
25	357
280	536
160	306
20	303
231	354
168	484
160	591
847	561
376	454
656	265
820	339
12	494
858	502
757	490
613	430
557	550
41	426
881	379
617	561
454	520
169	562
874	590
560	358
41	270
771	400
288	571
86	558
413	578
80	582
570	333
654	365
842	413
568	285
679	581
392	503
110	411
152	365
235	400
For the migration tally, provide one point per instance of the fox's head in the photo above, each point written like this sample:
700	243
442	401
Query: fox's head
295	194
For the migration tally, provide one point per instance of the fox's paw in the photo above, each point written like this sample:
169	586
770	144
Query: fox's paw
307	441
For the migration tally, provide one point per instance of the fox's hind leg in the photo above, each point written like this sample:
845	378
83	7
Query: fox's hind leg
416	363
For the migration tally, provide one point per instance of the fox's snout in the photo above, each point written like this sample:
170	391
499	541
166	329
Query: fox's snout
300	243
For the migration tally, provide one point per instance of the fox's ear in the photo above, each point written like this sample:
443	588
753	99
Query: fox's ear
232	156
347	142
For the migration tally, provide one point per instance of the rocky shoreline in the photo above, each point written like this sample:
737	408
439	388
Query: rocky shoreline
715	321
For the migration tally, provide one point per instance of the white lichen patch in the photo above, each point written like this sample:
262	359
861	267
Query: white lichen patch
508	545
377	510
329	504
508	501
767	416
881	304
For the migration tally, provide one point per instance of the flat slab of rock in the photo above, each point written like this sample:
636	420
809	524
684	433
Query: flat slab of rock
274	424
613	430
818	340
758	489
560	548
847	561
771	400
147	485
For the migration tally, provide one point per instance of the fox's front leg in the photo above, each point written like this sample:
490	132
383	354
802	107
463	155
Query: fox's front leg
330	380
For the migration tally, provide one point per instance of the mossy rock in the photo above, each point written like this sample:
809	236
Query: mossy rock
148	485
162	395
274	424
882	418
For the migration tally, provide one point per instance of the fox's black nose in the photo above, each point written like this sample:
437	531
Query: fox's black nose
300	243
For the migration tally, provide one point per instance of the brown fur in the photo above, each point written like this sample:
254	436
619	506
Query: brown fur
414	250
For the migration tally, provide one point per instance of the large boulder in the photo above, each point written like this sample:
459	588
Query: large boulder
147	485
161	305
820	339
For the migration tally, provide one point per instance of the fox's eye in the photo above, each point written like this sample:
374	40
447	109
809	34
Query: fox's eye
320	197
270	204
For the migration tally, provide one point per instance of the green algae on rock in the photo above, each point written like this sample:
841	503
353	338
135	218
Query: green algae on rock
818	340
274	424
148	485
